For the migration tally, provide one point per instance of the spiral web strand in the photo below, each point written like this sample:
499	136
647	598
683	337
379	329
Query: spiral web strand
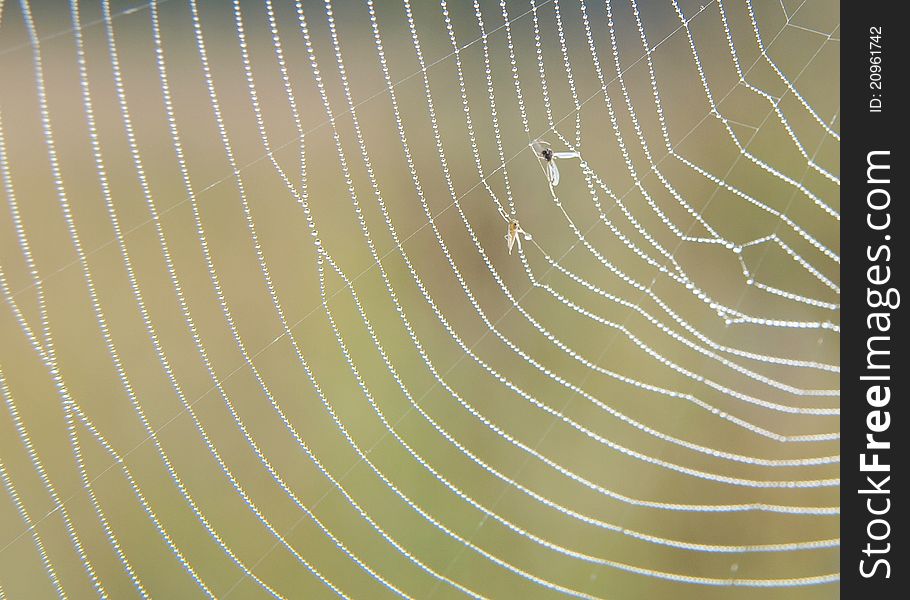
263	335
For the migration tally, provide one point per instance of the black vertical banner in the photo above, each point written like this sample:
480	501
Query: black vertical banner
874	371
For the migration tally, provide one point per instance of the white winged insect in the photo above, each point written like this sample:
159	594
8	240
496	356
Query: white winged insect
515	232
545	153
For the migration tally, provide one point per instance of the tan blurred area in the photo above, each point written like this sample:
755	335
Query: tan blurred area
586	351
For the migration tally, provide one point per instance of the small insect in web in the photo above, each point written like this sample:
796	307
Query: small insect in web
545	153
515	233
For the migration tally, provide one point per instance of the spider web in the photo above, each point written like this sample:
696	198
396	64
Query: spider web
263	335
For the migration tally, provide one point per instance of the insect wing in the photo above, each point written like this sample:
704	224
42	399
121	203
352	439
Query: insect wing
537	147
566	155
553	172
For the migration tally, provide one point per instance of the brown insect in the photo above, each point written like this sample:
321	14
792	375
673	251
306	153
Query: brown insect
515	233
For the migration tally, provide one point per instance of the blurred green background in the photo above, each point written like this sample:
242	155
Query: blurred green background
801	41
